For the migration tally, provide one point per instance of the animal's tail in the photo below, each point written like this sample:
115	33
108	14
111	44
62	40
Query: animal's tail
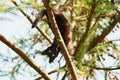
39	17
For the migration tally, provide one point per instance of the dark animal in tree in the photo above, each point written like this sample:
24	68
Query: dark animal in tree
64	28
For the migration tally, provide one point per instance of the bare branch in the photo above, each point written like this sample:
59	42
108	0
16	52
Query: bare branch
51	72
63	78
104	34
30	20
60	40
25	58
99	68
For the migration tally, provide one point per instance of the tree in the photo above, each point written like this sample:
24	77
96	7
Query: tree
92	22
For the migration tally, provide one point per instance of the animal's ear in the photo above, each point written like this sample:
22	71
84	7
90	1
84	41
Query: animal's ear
39	16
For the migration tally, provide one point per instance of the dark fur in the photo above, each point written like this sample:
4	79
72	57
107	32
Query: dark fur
64	28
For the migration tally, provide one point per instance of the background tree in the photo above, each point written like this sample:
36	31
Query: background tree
93	48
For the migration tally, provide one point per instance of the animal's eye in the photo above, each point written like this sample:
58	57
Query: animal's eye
49	51
53	55
63	26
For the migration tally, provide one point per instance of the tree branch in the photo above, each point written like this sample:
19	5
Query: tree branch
25	58
51	72
99	68
60	40
83	38
30	20
104	34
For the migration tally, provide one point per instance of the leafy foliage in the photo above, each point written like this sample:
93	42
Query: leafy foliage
90	23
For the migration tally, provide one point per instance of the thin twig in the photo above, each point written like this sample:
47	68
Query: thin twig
60	40
87	28
63	78
25	58
104	34
30	20
56	70
99	68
